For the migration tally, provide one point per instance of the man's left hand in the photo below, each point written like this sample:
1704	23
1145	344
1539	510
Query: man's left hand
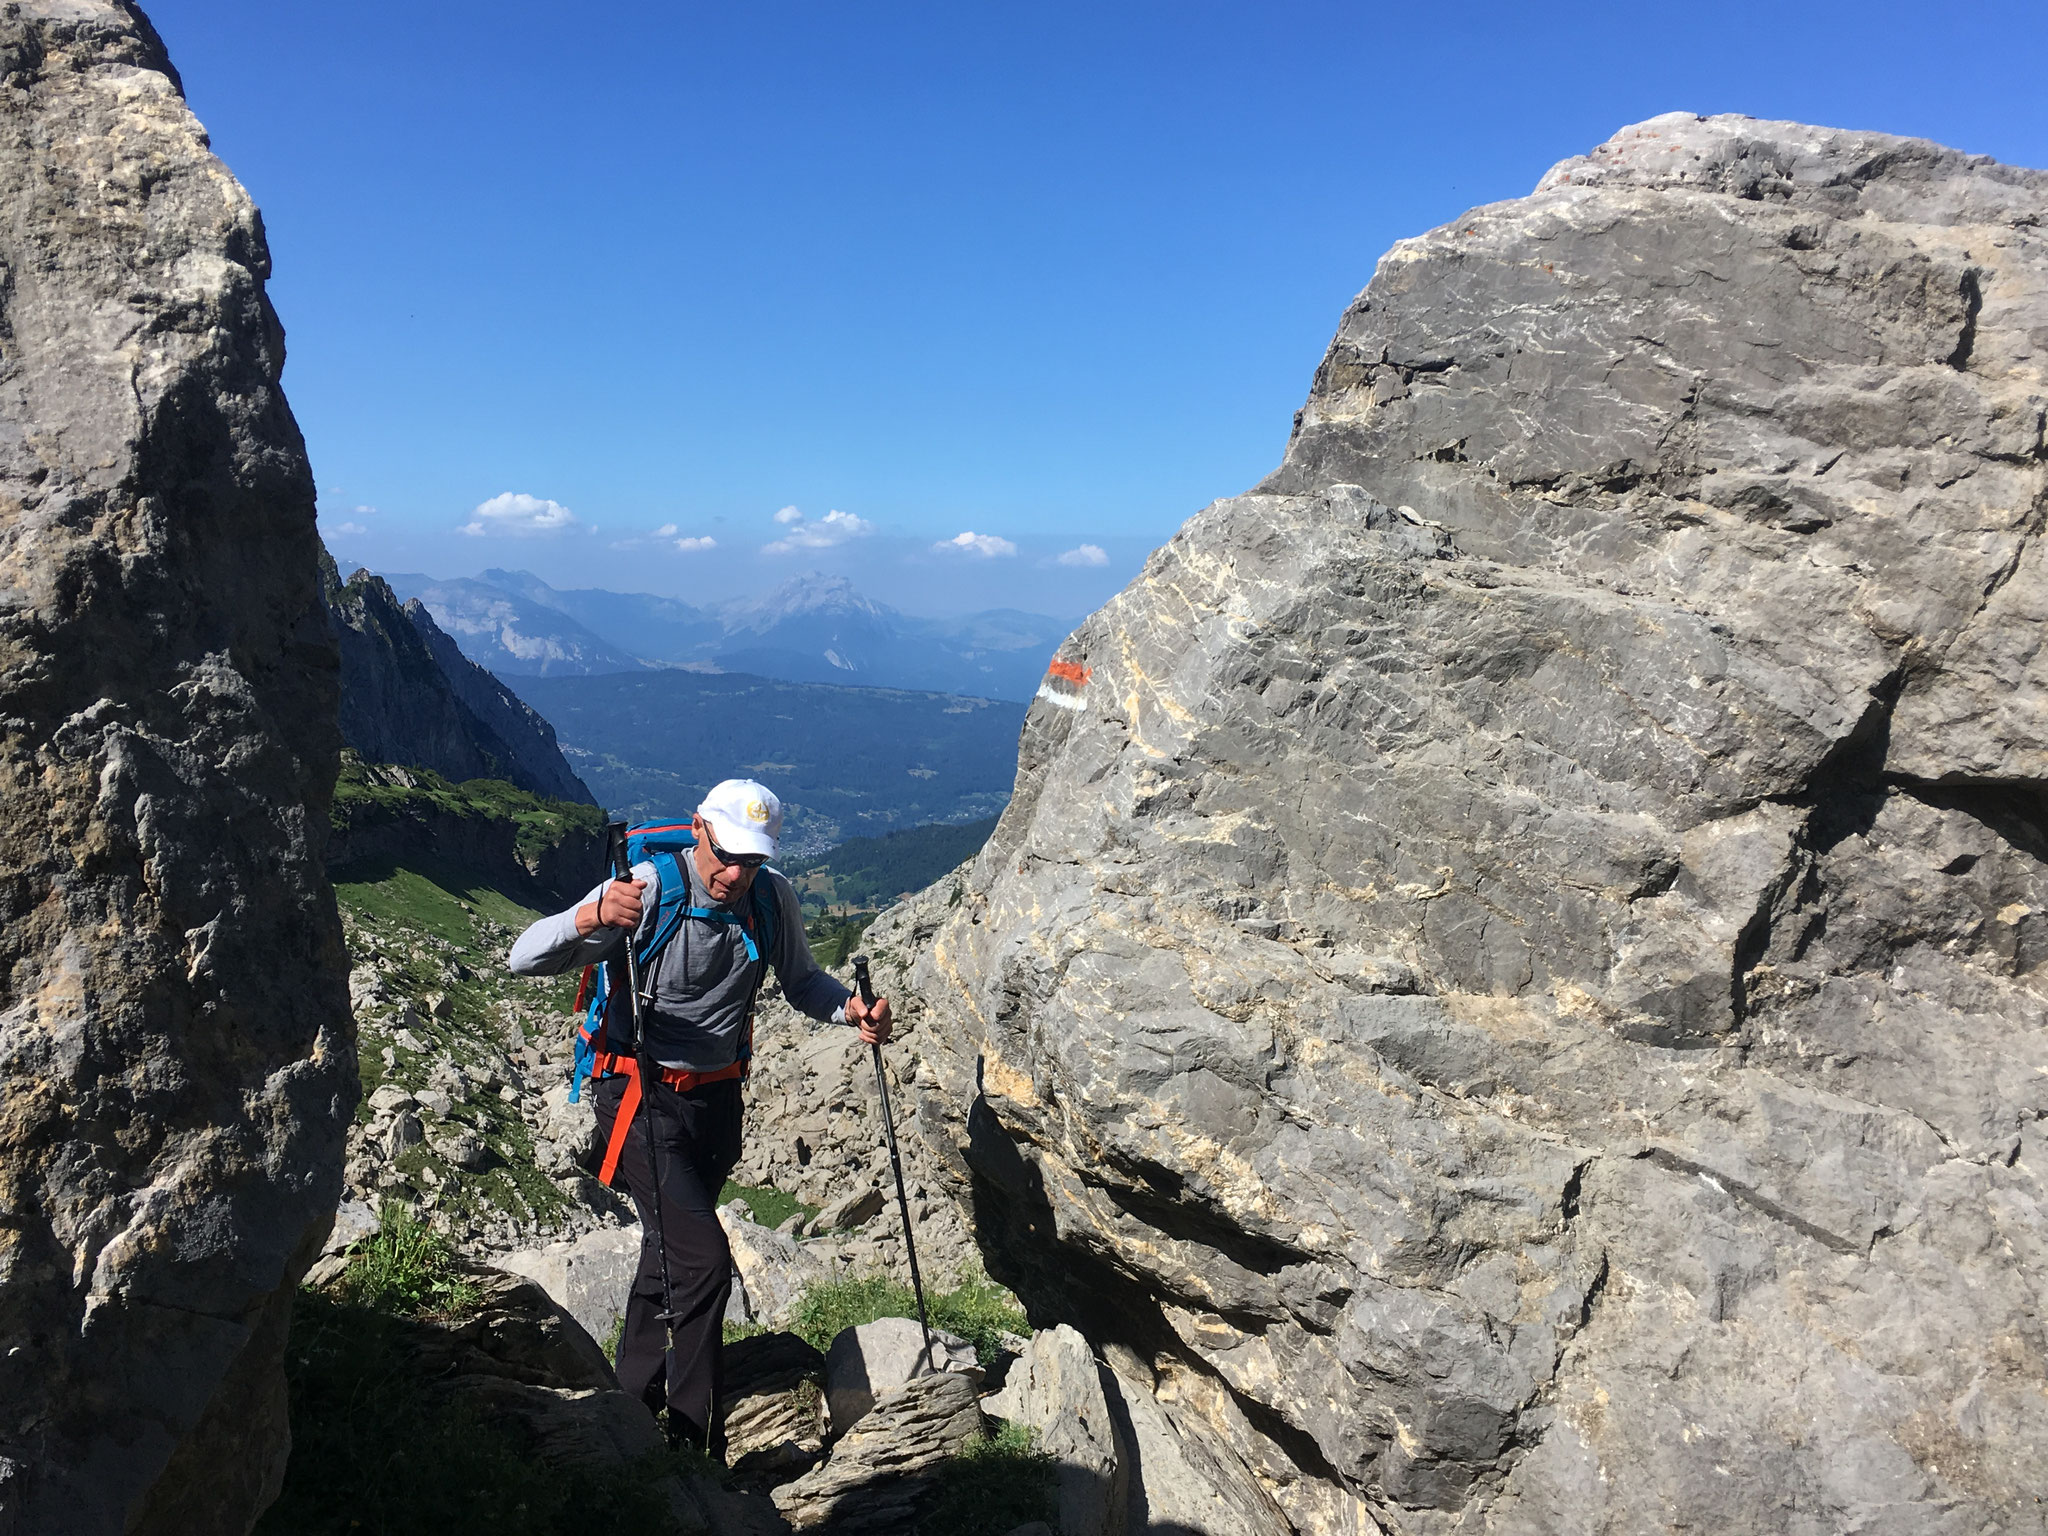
874	1021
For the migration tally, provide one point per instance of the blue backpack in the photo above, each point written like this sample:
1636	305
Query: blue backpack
662	844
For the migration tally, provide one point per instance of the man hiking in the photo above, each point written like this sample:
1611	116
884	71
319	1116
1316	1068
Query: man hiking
698	1016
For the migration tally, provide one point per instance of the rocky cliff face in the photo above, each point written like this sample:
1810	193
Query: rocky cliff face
1514	974
409	696
177	1063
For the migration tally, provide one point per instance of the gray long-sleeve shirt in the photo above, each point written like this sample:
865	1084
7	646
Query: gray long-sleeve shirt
702	979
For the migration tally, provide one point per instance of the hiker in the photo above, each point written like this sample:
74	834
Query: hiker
700	988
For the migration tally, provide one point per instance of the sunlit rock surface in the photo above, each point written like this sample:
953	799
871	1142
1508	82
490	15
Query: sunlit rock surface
1514	971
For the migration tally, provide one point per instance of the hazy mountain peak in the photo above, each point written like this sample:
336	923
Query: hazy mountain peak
523	584
812	595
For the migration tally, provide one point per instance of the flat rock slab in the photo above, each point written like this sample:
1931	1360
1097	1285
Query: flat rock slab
867	1362
588	1277
880	1474
566	1426
774	1404
1055	1388
849	1210
518	1332
597	1428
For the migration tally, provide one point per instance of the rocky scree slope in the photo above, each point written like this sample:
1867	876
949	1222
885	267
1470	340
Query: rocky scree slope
1514	968
466	1116
177	1066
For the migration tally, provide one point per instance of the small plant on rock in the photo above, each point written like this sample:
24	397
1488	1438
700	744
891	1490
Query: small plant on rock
406	1269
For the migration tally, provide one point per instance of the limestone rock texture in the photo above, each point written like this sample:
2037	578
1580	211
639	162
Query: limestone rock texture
883	1471
177	1062
1514	974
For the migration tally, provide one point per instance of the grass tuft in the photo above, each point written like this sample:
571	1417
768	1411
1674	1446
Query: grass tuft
771	1206
997	1483
977	1310
405	1269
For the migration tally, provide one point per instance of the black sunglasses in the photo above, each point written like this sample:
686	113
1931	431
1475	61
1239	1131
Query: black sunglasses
734	860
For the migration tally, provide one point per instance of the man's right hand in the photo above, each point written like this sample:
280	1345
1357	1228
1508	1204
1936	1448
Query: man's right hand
617	906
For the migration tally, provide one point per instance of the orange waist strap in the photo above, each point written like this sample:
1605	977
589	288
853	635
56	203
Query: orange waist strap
629	1102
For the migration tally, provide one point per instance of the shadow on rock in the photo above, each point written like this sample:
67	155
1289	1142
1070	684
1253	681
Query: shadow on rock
504	1421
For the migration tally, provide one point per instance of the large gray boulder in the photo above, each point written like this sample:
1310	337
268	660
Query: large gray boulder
868	1362
772	1270
587	1276
1517	953
521	1362
177	1064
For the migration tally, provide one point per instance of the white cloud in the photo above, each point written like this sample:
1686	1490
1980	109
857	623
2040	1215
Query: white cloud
350	528
692	545
789	515
518	514
985	545
667	533
1084	554
833	528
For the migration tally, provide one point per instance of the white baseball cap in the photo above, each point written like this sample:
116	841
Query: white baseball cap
744	817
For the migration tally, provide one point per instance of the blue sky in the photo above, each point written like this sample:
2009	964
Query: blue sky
1055	276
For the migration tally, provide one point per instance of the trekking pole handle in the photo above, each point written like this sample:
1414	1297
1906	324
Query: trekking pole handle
622	870
862	981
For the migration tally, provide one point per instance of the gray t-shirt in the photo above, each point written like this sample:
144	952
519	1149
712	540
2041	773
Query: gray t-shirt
702	978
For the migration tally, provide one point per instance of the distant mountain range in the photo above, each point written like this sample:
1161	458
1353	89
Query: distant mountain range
813	629
846	761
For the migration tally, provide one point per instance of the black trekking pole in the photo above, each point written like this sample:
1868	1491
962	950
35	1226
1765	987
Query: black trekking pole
644	1065
867	995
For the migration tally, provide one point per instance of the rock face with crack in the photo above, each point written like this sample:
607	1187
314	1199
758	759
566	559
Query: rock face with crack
177	1064
1516	962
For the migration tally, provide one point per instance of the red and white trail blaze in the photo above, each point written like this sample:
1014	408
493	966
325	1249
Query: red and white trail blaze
1063	683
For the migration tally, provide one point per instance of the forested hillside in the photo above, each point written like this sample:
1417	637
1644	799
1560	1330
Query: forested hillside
846	761
868	873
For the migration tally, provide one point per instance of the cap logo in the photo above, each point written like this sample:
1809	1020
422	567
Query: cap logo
756	811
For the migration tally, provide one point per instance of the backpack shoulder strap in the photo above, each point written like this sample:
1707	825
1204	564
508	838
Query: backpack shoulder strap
603	984
767	904
674	907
